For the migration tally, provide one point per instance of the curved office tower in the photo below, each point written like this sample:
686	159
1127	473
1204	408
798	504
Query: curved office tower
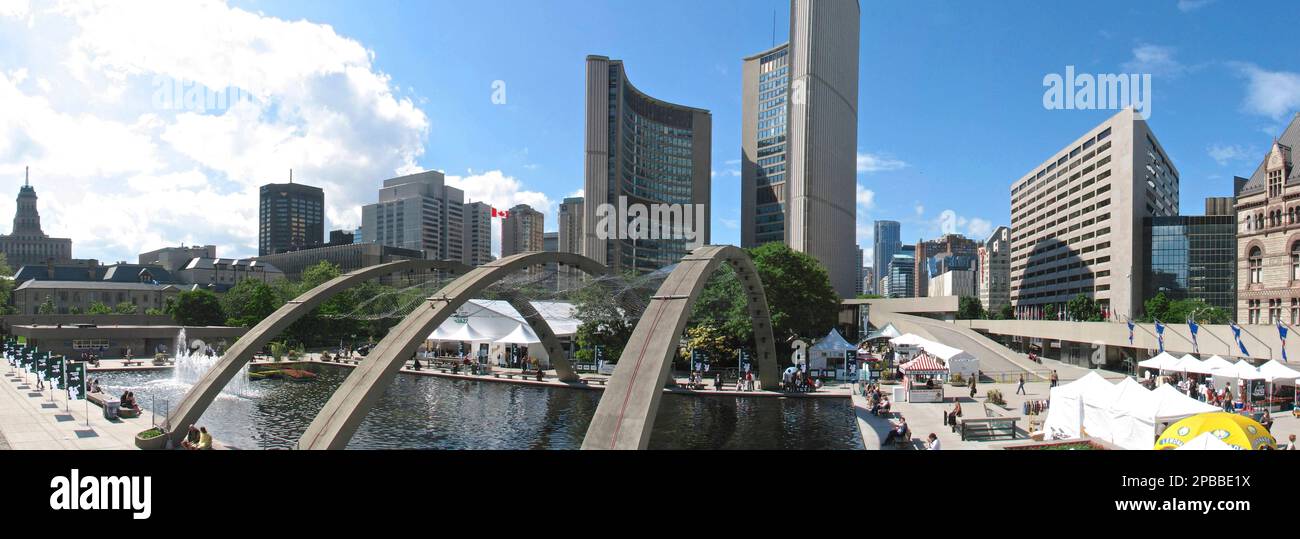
799	153
642	150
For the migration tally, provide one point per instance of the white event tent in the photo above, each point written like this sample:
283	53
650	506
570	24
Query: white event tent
828	351
497	325
1125	414
957	360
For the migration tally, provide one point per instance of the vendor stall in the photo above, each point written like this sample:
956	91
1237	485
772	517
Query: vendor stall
828	352
924	378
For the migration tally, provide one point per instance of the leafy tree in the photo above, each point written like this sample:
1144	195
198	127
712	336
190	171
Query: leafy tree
125	307
606	322
869	296
1006	312
1082	308
74	310
1176	311
248	302
154	311
710	340
969	308
6	286
1049	311
99	307
196	308
47	306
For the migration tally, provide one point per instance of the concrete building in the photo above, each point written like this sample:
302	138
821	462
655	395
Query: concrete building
858	287
291	216
418	212
220	274
142	340
869	280
1076	219
1268	236
522	231
929	253
994	266
570	239
799	139
888	242
954	282
478	234
27	243
176	258
346	257
641	150
342	237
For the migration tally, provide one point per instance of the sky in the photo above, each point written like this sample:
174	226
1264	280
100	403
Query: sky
106	102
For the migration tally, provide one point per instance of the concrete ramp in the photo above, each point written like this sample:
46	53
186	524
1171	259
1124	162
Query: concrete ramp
993	356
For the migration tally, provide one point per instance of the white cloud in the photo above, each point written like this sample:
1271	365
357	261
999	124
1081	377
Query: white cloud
1270	93
101	143
948	222
1223	154
979	228
1187	6
866	197
869	162
920	210
1154	59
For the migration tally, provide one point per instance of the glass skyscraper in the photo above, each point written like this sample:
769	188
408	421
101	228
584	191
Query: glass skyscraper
1192	257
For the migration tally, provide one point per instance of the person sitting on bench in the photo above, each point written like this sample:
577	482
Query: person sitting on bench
899	432
881	406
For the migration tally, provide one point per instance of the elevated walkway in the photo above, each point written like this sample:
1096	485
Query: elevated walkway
994	358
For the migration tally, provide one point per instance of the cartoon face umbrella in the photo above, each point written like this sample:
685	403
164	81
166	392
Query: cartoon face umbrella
1236	430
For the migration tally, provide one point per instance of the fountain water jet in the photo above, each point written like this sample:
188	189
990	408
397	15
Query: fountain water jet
191	366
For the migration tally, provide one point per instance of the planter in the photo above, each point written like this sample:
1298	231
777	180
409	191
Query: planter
156	442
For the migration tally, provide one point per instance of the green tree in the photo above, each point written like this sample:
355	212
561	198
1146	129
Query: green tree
125	307
99	307
1177	311
196	308
1006	312
1083	309
154	311
74	310
710	340
6	286
969	308
47	306
1049	311
798	291
248	302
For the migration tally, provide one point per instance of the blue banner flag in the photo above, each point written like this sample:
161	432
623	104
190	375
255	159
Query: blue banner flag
1130	332
1191	325
1236	334
1281	331
1160	335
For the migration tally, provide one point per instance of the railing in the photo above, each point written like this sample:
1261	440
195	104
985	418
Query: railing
1007	377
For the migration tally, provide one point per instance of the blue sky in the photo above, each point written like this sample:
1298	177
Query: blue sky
950	102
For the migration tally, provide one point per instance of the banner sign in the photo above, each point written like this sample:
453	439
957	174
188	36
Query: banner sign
76	380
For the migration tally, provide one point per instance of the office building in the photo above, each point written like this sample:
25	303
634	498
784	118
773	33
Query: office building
342	237
522	231
858	288
953	282
27	243
291	216
994	267
570	239
1192	257
418	212
478	234
642	150
887	241
902	270
929	253
1268	248
869	280
1076	219
175	258
799	139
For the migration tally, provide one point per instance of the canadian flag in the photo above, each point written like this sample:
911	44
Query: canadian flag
500	213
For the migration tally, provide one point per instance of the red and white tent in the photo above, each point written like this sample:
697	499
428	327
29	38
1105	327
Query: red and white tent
923	364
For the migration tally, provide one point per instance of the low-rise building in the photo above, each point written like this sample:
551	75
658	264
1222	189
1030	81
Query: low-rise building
73	297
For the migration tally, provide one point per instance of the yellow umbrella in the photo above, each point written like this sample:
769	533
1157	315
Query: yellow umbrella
1236	430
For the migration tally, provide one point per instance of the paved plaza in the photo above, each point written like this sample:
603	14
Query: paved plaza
32	419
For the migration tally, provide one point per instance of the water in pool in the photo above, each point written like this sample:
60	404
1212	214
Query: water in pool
429	412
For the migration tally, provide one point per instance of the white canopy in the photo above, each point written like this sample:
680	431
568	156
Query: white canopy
1216	362
1188	363
521	335
959	361
832	342
1065	414
910	339
1207	441
1164	361
1243	370
1172	405
887	332
1274	371
459	333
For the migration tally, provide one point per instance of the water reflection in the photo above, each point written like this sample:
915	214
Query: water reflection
427	412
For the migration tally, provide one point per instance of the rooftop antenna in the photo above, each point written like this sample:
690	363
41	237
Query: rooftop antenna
773	27
290	175
27	176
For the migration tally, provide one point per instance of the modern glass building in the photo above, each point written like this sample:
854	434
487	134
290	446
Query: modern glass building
291	217
1192	257
902	273
887	244
767	85
641	150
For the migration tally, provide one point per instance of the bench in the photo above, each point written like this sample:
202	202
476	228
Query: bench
130	363
984	428
600	381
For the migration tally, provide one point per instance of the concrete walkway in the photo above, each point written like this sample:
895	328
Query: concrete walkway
31	419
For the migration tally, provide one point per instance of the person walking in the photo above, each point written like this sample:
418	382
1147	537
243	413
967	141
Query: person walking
1054	378
974	381
1020	389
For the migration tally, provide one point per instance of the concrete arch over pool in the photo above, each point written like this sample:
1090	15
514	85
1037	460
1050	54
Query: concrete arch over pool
334	426
627	410
196	401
